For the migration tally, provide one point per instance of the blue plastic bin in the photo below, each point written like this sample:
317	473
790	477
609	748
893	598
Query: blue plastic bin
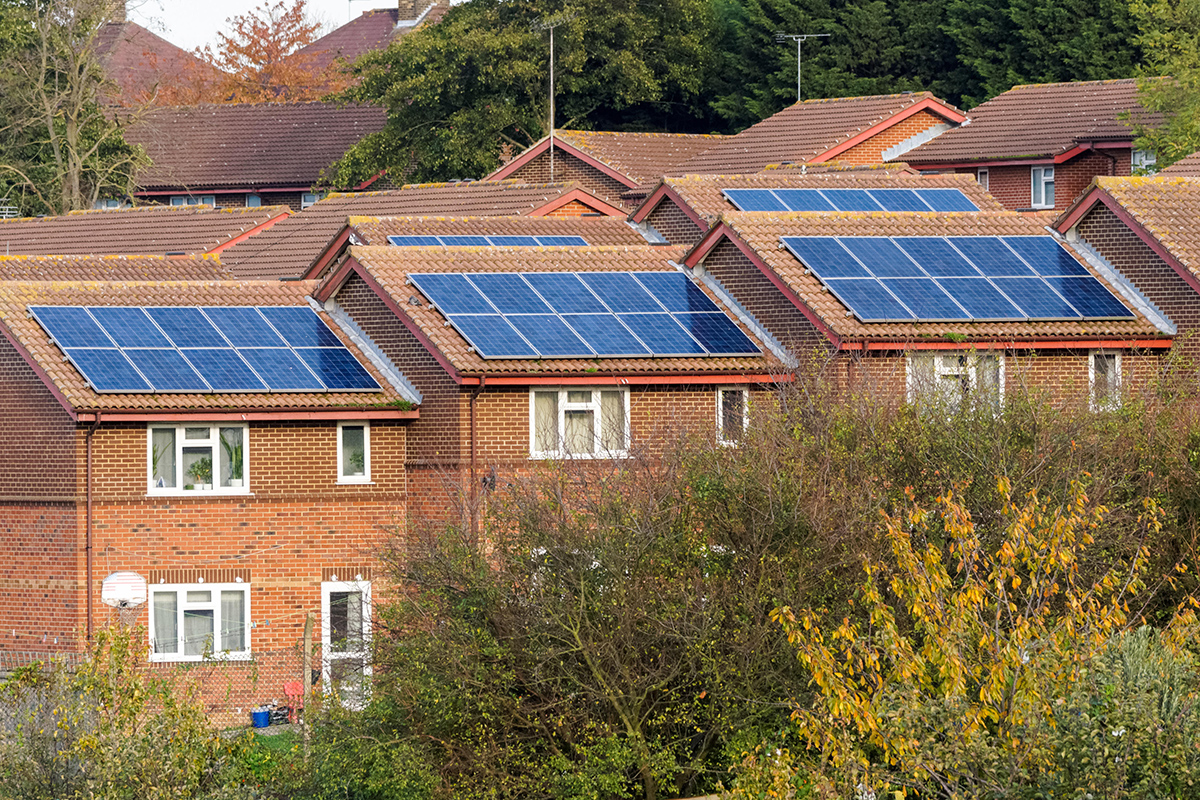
260	719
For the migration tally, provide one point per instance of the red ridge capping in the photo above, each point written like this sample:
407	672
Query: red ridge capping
928	103
544	145
247	234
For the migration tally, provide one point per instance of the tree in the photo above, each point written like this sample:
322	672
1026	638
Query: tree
971	672
1170	86
456	91
60	148
257	53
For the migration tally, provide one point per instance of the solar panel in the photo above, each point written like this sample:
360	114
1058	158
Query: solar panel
946	199
804	200
991	257
166	370
414	241
565	293
107	369
465	241
851	200
868	300
882	257
754	200
1045	255
510	293
825	257
513	241
562	241
898	199
964	277
590	314
181	349
452	294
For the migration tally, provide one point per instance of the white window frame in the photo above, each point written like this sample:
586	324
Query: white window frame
108	204
341	463
253	200
308	199
1039	178
563	407
721	390
1114	401
219	456
914	391
981	176
181	590
194	200
328	656
1144	160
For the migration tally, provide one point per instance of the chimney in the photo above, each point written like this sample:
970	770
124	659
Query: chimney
119	12
408	9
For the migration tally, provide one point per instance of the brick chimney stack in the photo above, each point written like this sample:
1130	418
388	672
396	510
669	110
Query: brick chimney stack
120	12
408	9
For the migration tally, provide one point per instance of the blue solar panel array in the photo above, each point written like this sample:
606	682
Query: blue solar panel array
921	199
929	278
224	349
583	314
487	241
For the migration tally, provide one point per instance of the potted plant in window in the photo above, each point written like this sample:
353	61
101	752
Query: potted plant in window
201	473
356	462
233	454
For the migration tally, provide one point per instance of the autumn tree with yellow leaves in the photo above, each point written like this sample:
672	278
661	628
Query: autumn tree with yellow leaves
972	672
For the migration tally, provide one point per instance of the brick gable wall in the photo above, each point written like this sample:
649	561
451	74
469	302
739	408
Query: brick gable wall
42	459
673	224
871	151
570	168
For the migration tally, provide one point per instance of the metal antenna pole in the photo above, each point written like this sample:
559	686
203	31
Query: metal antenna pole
798	38
549	24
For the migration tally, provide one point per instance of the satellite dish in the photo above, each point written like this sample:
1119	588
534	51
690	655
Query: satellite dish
123	590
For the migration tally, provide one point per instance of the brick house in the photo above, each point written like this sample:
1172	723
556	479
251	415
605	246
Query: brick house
145	68
242	507
179	230
291	248
485	415
1144	229
682	210
246	154
977	347
372	30
1038	146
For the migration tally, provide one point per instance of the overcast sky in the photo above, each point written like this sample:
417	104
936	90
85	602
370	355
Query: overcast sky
190	24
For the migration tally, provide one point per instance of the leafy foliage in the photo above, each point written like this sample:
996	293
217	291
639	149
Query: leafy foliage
1170	36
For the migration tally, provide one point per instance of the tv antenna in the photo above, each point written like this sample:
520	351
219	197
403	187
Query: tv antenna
799	39
549	24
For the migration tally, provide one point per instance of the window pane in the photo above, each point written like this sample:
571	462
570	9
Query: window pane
987	376
233	456
1050	189
166	622
1104	378
197	467
196	433
1037	187
579	397
922	376
612	421
354	450
233	620
733	411
197	631
545	422
579	435
162	457
199	597
345	622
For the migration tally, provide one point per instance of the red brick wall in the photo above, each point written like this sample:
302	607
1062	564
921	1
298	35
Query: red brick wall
1153	277
871	151
746	283
1011	185
572	209
569	168
40	591
673	224
40	460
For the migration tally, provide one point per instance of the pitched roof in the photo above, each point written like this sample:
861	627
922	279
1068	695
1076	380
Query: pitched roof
248	146
601	231
290	248
644	157
1186	166
389	267
1038	121
138	61
703	193
805	130
135	231
371	30
112	268
1167	208
16	297
762	232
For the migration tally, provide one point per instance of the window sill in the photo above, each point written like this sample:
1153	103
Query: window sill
172	658
355	482
243	492
578	456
